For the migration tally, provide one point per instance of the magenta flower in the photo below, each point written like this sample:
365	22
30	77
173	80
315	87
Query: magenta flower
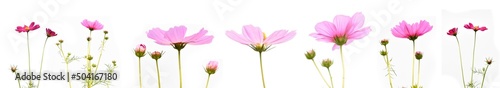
453	32
211	67
342	31
26	28
257	40
50	33
175	36
475	28
92	25
411	31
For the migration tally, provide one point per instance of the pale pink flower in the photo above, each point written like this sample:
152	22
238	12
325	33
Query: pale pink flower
175	36
342	31
411	31
26	28
257	40
140	50
92	25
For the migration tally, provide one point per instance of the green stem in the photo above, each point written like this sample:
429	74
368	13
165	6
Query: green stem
18	81
208	80
418	77
389	68
343	67
261	70
100	54
331	78
484	75
89	84
158	72
180	68
413	65
473	57
67	71
461	66
140	73
29	58
41	62
321	74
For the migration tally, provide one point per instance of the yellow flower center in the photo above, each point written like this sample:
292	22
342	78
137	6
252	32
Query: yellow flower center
264	34
26	28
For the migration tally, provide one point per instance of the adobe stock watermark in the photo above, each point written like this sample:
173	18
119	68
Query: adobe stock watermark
222	8
49	10
382	19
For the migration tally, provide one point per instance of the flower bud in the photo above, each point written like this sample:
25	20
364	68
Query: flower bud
93	65
310	54
57	44
88	38
105	31
211	67
326	63
383	52
61	41
418	55
384	42
156	55
13	69
106	38
89	57
489	61
140	50
114	62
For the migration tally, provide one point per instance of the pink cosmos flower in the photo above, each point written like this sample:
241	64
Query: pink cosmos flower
50	33
175	36
475	28
211	67
92	25
342	31
411	31
453	32
255	38
26	28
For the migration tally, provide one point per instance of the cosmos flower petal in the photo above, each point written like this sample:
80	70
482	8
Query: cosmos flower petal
202	40
254	34
237	37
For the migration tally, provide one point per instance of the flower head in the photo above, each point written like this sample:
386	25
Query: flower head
310	54
342	31
418	55
175	37
257	40
453	32
489	61
92	25
13	68
411	31
326	63
384	42
26	28
156	55
475	28
50	33
211	67
140	50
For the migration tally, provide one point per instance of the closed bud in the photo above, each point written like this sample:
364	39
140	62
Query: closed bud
326	63
418	55
57	44
13	68
383	52
489	61
88	38
114	62
61	41
156	55
140	50
106	38
89	57
105	31
211	67
310	54
384	42
93	65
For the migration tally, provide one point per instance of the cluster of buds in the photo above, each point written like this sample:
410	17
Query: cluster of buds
211	67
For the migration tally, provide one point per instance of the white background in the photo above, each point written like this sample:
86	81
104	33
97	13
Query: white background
284	66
